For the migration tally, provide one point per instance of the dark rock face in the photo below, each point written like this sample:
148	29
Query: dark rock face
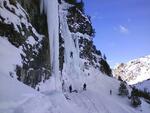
32	77
13	36
38	19
41	62
61	52
35	60
79	22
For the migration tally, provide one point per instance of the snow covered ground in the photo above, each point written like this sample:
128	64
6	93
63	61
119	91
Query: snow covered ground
143	85
9	57
16	97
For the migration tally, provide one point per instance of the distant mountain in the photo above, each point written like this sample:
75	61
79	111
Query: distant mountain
143	86
135	71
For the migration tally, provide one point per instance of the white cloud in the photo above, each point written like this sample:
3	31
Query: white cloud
123	29
129	20
96	15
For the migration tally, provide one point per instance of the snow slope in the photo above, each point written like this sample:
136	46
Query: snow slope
145	85
16	97
9	57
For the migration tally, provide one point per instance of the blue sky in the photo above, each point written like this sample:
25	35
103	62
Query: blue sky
122	28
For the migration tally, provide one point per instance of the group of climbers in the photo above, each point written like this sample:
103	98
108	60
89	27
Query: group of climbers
84	88
70	88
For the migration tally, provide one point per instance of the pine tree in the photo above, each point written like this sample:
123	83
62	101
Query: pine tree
119	78
105	68
135	100
80	6
71	1
13	2
123	89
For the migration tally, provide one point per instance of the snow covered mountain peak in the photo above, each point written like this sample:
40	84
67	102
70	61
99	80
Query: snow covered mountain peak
134	71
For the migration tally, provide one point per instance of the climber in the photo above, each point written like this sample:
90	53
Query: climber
59	1
84	86
71	54
38	89
110	92
70	88
63	87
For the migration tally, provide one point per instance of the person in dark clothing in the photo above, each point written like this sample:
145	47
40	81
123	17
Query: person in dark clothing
71	54
59	1
84	86
63	83
38	89
70	88
110	92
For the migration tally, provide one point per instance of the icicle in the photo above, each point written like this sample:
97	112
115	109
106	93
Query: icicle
41	6
51	9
